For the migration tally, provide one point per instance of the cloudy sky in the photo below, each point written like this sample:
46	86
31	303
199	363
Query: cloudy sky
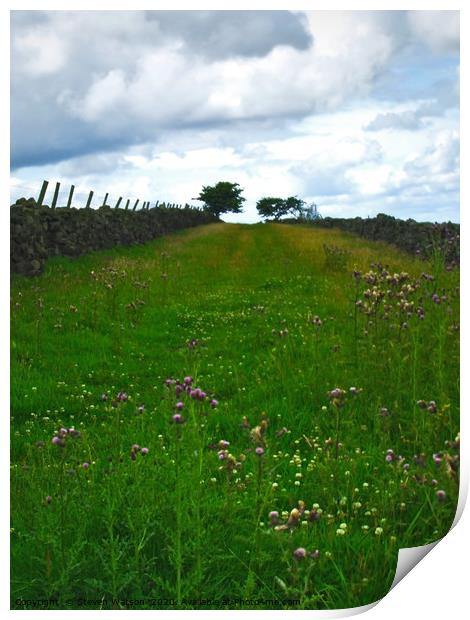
357	111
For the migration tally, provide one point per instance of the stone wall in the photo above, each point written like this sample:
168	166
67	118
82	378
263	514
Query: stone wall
39	232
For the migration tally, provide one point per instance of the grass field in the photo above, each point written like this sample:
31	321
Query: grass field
323	436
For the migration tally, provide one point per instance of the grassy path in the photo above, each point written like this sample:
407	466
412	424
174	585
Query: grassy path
267	325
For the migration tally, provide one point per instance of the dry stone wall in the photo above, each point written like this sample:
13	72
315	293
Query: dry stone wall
37	233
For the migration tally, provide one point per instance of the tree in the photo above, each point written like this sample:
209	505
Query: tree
222	198
271	207
295	206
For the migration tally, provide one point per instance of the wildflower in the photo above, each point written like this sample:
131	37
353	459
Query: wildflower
141	408
187	380
122	397
300	553
179	405
214	403
178	418
58	441
434	482
178	389
293	517
104	397
422	404
390	456
144	451
437	458
224	444
85	465
273	517
378	531
259	451
48	499
432	407
441	495
384	412
336	394
222	455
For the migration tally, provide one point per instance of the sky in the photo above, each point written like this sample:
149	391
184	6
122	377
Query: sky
357	111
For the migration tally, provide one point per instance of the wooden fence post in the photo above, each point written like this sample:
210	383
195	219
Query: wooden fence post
69	201
127	203
136	203
105	199
156	204
42	193
90	198
118	202
56	195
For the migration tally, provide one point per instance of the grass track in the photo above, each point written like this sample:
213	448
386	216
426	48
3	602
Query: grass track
233	306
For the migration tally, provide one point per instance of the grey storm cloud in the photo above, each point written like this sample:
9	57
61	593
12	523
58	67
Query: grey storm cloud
223	34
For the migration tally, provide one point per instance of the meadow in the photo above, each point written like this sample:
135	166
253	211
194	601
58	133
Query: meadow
231	416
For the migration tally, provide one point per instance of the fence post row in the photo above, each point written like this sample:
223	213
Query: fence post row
145	204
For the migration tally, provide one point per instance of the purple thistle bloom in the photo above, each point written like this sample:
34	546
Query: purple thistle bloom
437	458
214	403
202	395
57	441
144	451
86	465
274	517
122	396
178	389
441	495
222	455
179	406
300	553
259	451
406	466
178	418
188	380
223	443
434	482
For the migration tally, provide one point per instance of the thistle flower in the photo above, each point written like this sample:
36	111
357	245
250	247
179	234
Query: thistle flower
58	441
178	389
390	456
441	495
104	397
214	403
122	397
144	451
259	451
178	418
273	517
300	553
179	405
188	380
432	407
224	444
85	465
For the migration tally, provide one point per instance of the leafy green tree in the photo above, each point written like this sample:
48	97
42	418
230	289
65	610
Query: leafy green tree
223	197
295	206
271	207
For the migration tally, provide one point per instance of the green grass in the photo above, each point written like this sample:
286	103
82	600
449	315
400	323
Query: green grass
234	307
